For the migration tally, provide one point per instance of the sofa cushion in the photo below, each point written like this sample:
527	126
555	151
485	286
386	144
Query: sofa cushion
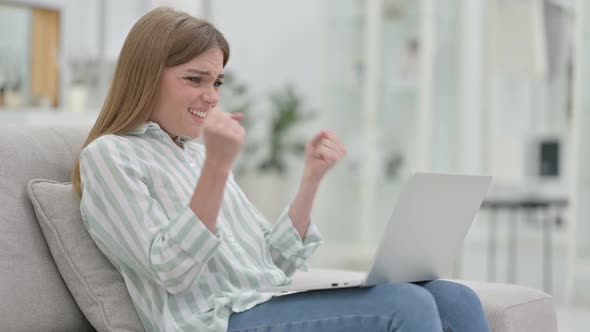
33	295
513	308
95	284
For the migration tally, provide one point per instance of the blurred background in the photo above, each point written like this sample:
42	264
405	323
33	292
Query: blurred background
492	87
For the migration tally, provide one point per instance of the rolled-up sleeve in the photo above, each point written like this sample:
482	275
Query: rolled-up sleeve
132	228
288	251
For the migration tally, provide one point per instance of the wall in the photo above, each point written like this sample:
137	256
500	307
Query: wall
274	42
579	237
470	156
15	31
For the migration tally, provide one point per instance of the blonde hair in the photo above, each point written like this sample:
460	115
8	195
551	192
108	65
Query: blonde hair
163	37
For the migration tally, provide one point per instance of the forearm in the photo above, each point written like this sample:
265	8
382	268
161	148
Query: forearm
208	194
300	209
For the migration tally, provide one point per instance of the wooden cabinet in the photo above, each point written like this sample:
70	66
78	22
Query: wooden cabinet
45	46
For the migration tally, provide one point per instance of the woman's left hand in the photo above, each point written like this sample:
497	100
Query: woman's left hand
321	154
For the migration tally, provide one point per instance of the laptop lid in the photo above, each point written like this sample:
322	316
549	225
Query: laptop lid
426	230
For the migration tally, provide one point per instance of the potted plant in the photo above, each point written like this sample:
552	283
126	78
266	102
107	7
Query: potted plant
267	184
288	113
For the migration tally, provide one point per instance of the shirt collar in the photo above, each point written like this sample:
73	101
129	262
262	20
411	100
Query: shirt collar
142	129
150	125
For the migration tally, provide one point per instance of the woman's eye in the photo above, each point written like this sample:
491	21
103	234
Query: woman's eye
195	80
217	84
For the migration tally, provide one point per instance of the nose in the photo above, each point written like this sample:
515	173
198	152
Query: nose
211	97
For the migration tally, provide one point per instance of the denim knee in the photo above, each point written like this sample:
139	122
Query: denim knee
459	307
419	310
448	291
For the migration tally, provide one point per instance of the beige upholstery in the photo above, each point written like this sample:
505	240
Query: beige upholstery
512	308
33	295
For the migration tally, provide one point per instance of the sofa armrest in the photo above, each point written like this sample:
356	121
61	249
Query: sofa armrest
512	308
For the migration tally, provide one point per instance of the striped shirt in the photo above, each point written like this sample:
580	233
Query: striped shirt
136	190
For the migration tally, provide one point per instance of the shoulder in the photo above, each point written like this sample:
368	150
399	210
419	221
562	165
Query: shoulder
114	148
109	144
112	155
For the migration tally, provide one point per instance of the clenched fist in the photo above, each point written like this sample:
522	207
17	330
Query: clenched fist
322	153
223	136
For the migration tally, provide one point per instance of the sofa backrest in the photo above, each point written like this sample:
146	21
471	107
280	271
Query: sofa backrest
33	295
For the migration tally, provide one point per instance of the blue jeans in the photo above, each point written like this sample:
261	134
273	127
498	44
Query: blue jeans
423	307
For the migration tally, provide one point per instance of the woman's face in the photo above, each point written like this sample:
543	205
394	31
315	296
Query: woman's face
187	93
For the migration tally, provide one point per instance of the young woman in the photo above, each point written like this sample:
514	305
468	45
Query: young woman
191	248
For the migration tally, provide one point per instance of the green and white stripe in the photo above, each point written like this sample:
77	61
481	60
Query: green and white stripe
136	190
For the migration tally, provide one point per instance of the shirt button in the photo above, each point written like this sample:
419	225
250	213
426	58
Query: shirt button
193	165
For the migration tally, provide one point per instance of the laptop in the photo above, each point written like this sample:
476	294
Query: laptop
421	240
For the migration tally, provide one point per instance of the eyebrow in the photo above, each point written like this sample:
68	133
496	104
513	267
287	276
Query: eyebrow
203	72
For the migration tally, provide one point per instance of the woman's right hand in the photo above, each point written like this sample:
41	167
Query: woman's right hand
224	137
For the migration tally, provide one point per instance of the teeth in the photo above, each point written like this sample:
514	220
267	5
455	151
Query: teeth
200	114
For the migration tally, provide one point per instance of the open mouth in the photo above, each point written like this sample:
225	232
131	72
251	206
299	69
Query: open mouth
198	114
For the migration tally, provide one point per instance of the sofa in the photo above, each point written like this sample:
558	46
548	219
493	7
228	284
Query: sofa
36	291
